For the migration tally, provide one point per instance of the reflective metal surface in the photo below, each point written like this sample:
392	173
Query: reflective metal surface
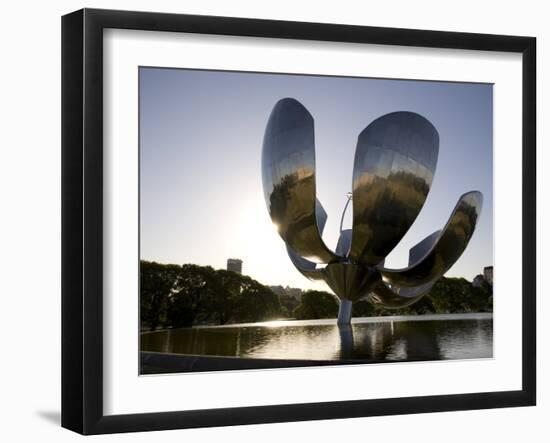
395	298
344	243
350	281
308	268
394	165
450	245
420	250
288	173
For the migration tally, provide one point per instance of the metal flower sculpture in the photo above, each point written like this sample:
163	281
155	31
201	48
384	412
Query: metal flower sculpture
394	165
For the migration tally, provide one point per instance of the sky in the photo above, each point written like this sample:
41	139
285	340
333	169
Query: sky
201	132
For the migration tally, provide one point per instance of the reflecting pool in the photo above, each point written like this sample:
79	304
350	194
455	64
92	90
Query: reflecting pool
373	339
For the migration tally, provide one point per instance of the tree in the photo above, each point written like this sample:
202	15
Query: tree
316	304
288	304
456	295
156	284
195	293
181	296
231	288
256	302
364	308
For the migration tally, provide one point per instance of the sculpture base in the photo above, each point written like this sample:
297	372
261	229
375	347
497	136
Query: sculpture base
344	312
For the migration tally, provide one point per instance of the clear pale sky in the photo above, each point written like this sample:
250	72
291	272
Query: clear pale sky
200	148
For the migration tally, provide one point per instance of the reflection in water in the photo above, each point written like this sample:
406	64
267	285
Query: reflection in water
434	337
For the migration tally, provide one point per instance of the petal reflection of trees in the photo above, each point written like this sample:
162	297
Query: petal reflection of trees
292	208
446	251
389	207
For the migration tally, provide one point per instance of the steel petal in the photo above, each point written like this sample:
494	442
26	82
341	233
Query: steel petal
395	298
395	161
344	243
446	250
288	173
305	267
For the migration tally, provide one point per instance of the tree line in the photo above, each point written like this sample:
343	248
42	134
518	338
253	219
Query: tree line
186	295
180	296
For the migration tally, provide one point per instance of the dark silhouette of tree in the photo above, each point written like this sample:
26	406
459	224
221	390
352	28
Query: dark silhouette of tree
256	302
180	296
363	308
196	294
316	304
288	304
157	282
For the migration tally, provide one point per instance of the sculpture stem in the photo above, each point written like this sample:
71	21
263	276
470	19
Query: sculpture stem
344	312
346	341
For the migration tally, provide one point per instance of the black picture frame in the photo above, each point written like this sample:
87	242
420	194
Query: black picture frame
82	218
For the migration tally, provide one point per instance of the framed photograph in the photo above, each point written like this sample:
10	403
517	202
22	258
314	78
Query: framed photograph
268	221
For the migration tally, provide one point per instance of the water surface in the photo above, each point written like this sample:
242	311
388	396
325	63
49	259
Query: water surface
375	339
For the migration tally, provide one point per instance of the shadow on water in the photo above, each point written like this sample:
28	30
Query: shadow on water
410	339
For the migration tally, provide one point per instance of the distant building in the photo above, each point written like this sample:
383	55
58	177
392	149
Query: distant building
279	290
478	281
484	279
289	297
235	265
295	293
488	274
